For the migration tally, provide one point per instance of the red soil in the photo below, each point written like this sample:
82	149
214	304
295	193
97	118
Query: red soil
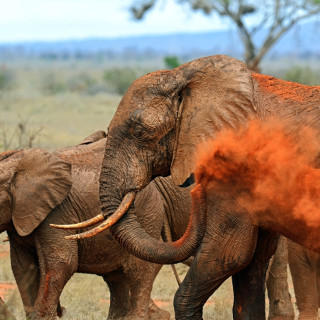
285	89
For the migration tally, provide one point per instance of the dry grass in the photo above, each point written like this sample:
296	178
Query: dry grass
65	116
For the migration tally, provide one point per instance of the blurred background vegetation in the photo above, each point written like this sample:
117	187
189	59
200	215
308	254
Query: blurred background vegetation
57	103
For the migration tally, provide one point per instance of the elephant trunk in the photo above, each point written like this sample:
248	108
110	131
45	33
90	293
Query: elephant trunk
116	186
134	238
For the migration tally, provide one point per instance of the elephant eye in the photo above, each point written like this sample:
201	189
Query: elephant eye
139	132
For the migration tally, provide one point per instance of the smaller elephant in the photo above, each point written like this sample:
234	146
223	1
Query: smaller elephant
305	271
38	188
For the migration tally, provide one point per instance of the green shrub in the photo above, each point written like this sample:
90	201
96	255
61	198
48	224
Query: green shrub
303	75
120	79
52	85
171	62
83	83
6	79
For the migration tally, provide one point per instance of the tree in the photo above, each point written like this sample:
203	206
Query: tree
274	18
171	62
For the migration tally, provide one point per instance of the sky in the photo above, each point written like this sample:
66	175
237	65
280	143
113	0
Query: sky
29	20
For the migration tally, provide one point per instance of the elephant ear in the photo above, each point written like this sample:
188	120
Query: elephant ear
41	182
94	137
218	93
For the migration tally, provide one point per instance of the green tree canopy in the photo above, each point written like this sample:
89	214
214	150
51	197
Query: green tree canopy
274	17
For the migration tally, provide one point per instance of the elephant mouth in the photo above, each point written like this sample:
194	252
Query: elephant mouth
107	222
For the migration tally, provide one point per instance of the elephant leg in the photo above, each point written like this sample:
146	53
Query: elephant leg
280	305
156	313
303	273
26	272
318	281
119	294
141	275
249	283
56	268
227	247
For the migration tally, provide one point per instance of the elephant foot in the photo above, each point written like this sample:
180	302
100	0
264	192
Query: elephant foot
281	318
281	310
155	313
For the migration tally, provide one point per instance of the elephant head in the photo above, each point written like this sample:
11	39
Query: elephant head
32	183
155	132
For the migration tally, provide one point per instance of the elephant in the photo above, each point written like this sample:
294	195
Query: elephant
304	267
280	304
38	187
305	271
155	131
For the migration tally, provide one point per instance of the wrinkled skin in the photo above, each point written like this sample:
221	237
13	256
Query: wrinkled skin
155	131
305	270
43	261
280	305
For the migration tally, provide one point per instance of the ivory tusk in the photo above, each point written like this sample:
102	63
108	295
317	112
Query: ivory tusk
80	225
122	209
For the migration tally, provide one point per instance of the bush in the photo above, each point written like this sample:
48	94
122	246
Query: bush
120	78
52	85
303	75
83	83
6	79
21	137
171	62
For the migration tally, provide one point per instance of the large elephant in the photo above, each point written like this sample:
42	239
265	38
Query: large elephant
37	188
155	131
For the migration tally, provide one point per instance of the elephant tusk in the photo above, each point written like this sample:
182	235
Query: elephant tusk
122	209
84	224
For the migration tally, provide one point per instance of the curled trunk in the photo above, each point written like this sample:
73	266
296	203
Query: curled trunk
128	231
133	237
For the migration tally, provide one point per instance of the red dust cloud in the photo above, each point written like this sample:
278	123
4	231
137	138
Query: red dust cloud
269	169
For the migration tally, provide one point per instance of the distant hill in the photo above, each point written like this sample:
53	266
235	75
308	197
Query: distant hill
302	41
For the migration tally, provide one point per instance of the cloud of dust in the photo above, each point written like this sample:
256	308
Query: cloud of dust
268	167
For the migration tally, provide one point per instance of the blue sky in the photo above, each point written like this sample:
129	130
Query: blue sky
27	20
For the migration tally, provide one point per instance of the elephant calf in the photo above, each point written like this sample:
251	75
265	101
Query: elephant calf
38	188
